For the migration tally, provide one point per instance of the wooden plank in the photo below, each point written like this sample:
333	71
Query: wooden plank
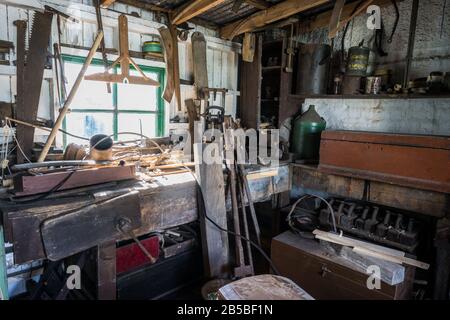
193	115
248	47
408	160
323	19
106	271
176	65
168	44
354	242
199	61
192	9
166	202
261	18
333	27
3	276
369	249
215	241
67	234
28	185
259	4
144	5
421	201
250	99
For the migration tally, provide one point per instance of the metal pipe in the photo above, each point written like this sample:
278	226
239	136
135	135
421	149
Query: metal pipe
412	35
34	165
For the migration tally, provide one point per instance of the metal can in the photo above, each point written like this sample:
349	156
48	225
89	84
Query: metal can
373	85
358	60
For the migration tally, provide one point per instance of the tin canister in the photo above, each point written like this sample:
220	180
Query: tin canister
358	60
373	85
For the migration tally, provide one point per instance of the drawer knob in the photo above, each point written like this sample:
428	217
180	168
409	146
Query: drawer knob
324	271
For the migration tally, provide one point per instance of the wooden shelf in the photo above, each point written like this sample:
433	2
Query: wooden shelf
369	96
270	68
270	100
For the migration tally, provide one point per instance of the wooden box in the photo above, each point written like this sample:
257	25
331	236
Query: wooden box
327	276
416	161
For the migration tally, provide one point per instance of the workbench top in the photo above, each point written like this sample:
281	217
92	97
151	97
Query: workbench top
165	201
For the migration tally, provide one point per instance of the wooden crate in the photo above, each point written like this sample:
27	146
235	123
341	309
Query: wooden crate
410	160
328	277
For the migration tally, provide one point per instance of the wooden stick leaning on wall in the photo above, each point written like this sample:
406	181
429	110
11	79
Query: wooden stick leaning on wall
70	98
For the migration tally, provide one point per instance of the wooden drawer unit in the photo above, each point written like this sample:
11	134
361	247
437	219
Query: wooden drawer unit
327	276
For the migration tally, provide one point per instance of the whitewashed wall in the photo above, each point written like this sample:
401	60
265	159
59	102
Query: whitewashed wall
222	56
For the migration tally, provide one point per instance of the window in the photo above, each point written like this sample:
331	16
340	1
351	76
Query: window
128	108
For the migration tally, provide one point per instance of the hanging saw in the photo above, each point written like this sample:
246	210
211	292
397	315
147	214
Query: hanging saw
33	73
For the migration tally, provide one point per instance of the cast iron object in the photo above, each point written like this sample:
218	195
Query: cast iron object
369	225
382	228
348	218
361	219
359	222
312	69
410	236
393	234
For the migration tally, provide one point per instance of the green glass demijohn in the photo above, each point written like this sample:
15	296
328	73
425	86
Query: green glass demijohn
306	135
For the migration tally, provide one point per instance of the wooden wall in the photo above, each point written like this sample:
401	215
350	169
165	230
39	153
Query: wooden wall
222	56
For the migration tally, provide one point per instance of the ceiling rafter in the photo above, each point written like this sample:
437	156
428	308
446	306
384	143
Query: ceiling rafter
193	9
259	4
106	3
261	18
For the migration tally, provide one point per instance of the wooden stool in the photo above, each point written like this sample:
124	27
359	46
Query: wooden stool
263	287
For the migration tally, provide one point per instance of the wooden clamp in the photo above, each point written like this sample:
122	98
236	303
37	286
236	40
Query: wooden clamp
124	60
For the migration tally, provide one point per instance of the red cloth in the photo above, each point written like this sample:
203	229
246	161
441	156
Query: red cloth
131	256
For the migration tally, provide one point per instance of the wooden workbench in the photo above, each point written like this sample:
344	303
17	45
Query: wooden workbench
165	202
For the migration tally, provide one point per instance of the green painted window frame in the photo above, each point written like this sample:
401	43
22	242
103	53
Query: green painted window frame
159	112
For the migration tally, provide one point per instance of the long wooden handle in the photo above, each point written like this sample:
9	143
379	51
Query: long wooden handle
70	98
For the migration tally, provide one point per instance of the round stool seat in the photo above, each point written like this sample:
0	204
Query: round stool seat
263	287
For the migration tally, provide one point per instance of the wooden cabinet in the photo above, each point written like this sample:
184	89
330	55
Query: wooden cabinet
327	276
265	86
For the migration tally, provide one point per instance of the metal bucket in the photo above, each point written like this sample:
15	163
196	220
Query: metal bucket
313	61
358	60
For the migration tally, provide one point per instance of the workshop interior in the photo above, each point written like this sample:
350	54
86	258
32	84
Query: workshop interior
225	150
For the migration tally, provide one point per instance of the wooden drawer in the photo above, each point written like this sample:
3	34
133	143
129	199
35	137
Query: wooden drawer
325	276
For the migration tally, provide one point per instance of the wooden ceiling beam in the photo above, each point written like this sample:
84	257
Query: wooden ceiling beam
322	20
193	9
144	5
261	18
259	4
106	3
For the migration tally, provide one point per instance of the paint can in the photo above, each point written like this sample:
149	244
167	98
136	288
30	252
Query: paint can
358	60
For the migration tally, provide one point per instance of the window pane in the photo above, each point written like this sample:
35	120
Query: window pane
90	94
87	124
130	122
137	97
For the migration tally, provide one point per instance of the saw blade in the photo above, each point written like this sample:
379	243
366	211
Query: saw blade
33	73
